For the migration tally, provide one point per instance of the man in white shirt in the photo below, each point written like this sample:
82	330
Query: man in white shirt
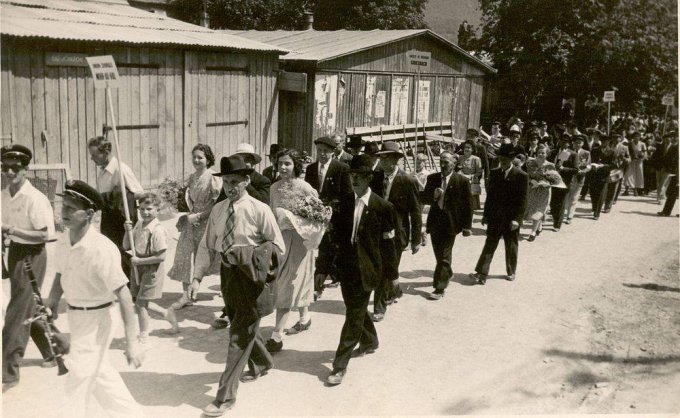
238	222
89	276
108	185
28	222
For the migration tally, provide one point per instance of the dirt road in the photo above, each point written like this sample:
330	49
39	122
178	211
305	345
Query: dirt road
591	325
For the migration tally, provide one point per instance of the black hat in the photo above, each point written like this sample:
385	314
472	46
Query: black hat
371	148
325	140
361	164
472	131
274	149
17	151
84	193
233	165
579	137
534	134
390	148
495	123
354	141
506	150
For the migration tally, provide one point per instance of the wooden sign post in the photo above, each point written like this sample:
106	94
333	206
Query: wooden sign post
105	75
418	60
609	98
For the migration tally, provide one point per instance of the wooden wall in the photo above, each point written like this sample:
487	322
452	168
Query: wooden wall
182	96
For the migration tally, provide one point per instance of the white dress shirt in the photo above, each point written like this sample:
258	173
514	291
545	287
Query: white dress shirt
108	178
28	209
359	203
254	224
90	269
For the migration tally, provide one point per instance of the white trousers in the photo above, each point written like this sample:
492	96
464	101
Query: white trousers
91	376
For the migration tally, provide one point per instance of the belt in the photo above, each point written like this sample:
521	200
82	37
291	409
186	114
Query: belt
90	308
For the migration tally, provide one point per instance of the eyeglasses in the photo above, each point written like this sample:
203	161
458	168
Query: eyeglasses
14	167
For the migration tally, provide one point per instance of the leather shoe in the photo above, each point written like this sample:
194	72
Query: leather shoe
336	376
298	328
221	323
436	295
531	238
273	346
217	409
510	277
247	376
9	385
377	317
478	277
360	352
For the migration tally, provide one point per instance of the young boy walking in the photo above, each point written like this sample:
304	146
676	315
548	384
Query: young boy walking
151	241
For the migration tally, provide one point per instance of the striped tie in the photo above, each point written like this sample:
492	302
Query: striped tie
228	239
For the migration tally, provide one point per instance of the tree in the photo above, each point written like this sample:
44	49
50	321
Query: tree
549	50
288	14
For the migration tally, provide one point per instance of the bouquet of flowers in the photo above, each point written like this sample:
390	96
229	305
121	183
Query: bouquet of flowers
554	179
172	194
305	213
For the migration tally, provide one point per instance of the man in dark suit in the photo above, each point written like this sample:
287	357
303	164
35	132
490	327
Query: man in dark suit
450	200
257	188
566	163
506	201
378	183
272	172
670	166
401	190
340	153
330	178
363	227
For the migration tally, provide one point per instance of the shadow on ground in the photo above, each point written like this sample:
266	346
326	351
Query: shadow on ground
609	358
165	388
308	362
653	286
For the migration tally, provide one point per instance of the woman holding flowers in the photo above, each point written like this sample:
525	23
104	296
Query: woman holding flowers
541	176
201	193
301	218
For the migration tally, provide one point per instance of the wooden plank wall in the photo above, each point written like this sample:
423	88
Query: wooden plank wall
54	110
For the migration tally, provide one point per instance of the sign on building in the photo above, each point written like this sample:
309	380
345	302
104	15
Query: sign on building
419	60
104	72
609	96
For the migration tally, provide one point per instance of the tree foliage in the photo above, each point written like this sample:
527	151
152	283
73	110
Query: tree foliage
549	50
289	14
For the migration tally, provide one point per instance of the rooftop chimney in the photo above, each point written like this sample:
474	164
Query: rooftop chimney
309	20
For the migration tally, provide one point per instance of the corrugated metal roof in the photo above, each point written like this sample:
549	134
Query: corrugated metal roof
111	21
318	46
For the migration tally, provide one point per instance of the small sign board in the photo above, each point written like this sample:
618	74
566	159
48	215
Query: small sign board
609	96
104	72
419	60
668	100
295	82
65	59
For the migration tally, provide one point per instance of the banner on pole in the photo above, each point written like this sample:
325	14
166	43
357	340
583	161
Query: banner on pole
104	72
609	96
668	100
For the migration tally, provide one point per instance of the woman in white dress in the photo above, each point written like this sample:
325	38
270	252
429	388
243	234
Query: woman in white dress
294	287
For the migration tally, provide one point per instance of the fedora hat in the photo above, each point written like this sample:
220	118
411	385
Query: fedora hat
245	149
233	164
361	164
371	148
354	141
390	148
506	150
274	149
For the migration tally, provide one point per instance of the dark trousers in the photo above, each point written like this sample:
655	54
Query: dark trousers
613	190
246	345
21	307
511	241
587	185
598	191
385	290
671	196
112	227
324	262
618	190
557	199
358	327
442	245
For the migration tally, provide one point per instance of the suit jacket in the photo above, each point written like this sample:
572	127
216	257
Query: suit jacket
270	173
344	157
336	183
378	183
670	159
506	199
374	252
258	188
568	168
408	210
457	212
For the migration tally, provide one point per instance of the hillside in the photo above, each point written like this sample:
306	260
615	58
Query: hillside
445	16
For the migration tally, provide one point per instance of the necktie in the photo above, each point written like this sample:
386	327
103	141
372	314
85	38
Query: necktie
441	198
322	174
228	239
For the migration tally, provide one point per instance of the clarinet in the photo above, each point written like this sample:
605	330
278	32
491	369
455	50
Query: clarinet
41	314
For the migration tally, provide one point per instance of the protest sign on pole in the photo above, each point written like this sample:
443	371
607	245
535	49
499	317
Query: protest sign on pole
609	97
105	75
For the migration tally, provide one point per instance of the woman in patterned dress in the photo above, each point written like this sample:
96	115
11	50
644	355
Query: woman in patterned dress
202	192
539	193
294	286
